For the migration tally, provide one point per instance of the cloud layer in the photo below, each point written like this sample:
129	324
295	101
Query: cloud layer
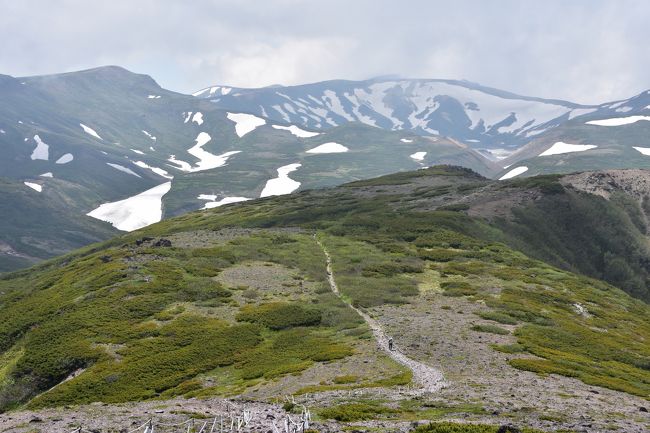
586	51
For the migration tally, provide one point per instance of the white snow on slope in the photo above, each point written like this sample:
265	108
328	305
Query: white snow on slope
65	159
198	118
561	147
418	156
158	171
208	197
643	150
245	123
90	131
618	121
41	151
123	169
48	174
188	116
148	134
206	159
408	140
2	131
300	133
34	186
139	152
580	112
282	184
212	90
514	172
179	164
223	201
330	147
134	212
424	98
153	96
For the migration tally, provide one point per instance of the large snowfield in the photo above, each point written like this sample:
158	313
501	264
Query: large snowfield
134	212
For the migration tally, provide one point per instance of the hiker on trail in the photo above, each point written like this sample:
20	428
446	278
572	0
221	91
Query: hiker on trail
390	344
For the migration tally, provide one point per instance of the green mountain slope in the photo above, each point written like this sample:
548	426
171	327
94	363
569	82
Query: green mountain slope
37	226
235	302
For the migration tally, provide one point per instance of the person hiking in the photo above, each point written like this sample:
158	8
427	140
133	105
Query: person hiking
390	344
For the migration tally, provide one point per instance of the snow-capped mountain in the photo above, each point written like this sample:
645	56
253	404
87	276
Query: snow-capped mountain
110	145
479	116
114	146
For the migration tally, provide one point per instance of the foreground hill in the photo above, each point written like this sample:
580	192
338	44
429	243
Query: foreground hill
238	302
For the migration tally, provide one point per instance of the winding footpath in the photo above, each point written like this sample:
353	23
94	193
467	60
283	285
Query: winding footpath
429	378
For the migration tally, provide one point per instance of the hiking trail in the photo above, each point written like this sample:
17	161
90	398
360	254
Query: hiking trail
430	379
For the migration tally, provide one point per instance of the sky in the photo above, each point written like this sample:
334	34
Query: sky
585	51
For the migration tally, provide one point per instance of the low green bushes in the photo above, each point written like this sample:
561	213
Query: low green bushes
357	412
280	315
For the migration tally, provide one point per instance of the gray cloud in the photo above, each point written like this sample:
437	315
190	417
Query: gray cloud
582	50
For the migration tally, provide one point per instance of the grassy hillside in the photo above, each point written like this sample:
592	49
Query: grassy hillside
238	303
37	226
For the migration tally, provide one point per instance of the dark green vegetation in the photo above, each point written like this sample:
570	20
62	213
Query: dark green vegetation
406	410
143	322
139	322
450	427
605	239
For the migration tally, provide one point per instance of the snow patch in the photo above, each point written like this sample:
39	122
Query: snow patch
48	174
300	133
223	201
34	186
188	116
88	130
330	147
643	150
618	121
134	212
158	171
68	157
139	152
561	147
153	96
514	172
282	184
148	134
41	151
245	123
206	159
406	140
123	169
198	118
418	156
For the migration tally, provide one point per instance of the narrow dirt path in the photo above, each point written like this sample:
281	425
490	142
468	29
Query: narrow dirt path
429	378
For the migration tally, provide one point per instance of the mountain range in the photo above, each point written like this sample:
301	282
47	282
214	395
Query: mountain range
110	145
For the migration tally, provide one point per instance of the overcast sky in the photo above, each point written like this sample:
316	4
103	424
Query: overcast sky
587	51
